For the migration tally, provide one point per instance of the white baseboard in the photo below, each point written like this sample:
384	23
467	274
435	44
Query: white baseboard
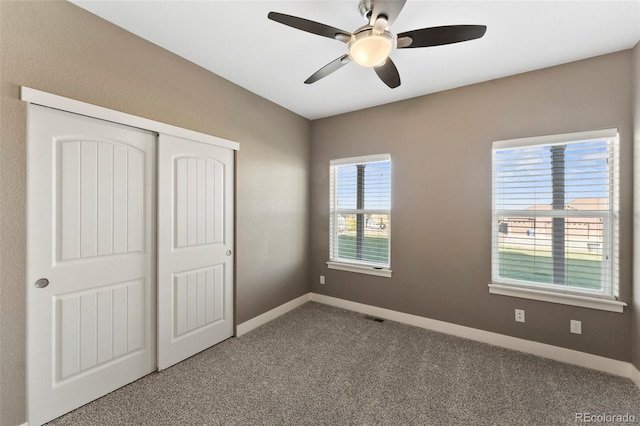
635	375
274	313
570	356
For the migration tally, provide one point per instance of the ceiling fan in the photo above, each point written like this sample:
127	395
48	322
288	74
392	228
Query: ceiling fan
371	44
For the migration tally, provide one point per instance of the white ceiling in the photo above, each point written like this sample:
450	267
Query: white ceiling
235	40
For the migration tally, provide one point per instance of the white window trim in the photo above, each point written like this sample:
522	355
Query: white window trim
556	139
538	291
359	267
561	298
375	158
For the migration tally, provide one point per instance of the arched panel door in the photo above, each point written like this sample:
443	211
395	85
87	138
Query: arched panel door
91	259
195	243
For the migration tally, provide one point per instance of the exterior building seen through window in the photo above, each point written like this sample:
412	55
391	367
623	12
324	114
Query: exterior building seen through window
555	213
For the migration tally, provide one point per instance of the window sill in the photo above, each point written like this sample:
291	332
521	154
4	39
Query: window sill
360	269
562	298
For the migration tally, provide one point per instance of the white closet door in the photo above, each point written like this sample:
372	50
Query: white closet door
195	243
91	259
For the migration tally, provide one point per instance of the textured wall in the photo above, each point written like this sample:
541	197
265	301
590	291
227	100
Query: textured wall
440	147
60	48
635	328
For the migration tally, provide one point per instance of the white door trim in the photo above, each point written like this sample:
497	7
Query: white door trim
44	99
50	100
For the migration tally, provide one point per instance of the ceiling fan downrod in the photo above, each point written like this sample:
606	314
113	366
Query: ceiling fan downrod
366	8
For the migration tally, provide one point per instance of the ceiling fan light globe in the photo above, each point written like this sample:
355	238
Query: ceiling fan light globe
369	49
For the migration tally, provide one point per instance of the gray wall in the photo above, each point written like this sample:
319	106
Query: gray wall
635	329
59	48
440	147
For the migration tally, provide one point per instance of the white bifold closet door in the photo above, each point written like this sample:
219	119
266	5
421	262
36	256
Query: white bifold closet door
195	243
91	259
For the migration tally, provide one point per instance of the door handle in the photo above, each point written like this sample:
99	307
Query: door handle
42	283
229	252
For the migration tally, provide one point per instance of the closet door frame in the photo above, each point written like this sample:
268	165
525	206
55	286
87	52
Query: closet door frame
37	97
50	100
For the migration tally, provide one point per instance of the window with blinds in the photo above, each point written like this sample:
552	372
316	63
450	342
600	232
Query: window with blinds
360	213
555	213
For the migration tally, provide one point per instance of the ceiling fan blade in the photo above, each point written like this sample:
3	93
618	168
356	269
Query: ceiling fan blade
309	26
332	66
437	36
388	73
389	8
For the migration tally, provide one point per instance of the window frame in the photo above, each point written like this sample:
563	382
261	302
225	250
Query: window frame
605	299
350	265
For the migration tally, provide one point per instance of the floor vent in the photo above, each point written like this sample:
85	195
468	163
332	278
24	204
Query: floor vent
376	319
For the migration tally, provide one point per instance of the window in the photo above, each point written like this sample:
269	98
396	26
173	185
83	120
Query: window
360	214
555	217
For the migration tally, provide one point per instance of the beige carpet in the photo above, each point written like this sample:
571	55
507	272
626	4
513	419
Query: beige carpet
319	365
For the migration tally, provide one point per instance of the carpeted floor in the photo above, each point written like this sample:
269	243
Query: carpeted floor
319	365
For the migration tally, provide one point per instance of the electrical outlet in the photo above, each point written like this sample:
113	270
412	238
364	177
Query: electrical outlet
519	315
321	279
576	327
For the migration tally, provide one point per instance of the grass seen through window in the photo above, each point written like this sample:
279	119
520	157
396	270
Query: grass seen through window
374	249
580	271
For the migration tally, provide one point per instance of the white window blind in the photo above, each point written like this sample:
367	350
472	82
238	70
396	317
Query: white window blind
360	213
555	213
